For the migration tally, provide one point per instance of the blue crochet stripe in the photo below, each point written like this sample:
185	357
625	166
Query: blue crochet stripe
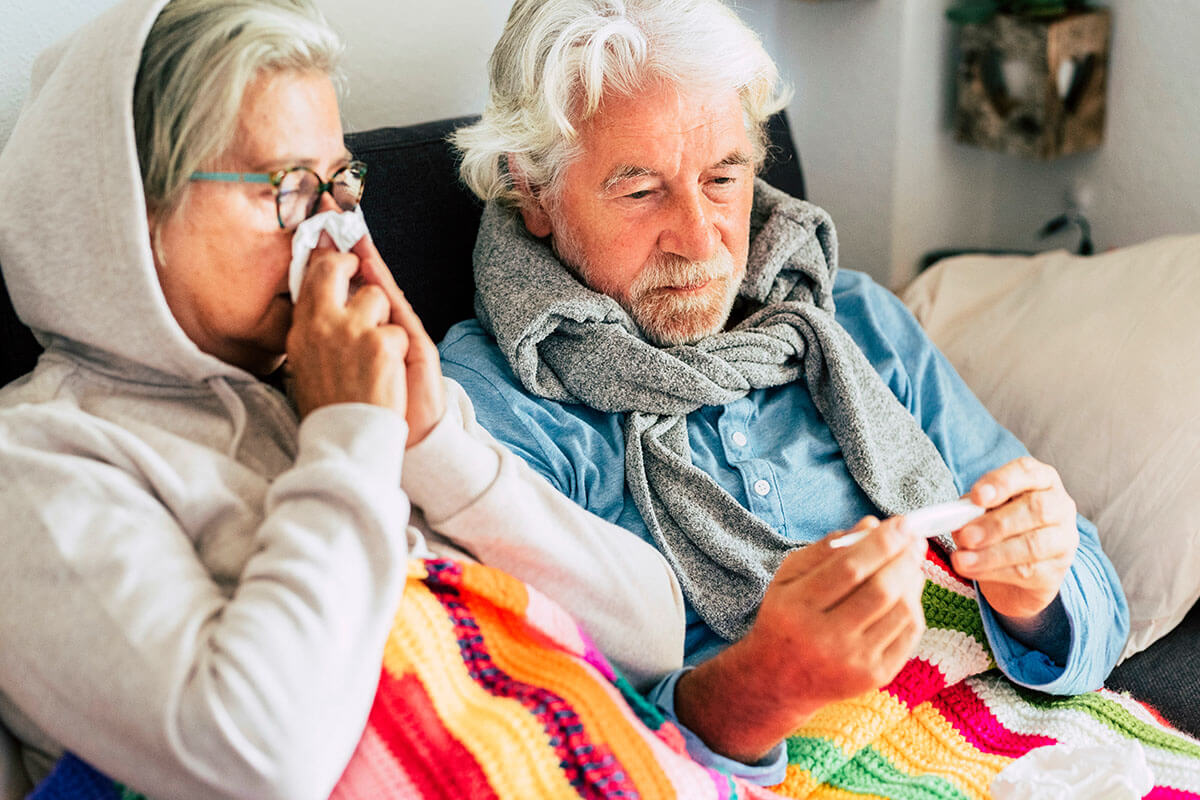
72	779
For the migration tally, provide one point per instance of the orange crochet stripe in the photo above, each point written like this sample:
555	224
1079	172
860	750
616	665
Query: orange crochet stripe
493	677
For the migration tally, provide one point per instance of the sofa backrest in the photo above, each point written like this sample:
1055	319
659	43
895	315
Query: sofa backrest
423	221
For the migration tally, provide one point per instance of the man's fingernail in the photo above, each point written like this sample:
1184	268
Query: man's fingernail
987	493
969	537
967	559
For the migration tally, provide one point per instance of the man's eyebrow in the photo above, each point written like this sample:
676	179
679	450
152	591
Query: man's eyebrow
734	159
625	172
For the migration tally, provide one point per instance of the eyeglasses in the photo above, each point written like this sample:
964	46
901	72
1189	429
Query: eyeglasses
298	190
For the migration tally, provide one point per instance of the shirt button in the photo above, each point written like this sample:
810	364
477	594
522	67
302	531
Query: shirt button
739	439
762	488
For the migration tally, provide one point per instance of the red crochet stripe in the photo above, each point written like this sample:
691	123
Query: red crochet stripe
936	553
963	709
916	682
436	762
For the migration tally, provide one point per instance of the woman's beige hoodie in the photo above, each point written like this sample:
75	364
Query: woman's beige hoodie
195	588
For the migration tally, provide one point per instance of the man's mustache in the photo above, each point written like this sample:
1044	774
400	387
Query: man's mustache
668	269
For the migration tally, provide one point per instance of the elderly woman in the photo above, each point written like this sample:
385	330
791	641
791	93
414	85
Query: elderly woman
206	488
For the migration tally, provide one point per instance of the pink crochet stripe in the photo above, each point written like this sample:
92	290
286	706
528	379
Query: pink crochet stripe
916	682
438	764
963	709
551	620
375	773
1168	793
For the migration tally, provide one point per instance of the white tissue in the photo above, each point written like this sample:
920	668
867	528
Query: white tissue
344	227
1068	772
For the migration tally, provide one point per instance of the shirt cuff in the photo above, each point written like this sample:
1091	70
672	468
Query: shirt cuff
1027	662
768	771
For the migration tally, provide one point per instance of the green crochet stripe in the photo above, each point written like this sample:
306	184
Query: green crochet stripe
1113	715
816	754
871	773
952	611
646	711
867	773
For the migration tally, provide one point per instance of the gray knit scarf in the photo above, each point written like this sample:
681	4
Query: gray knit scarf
568	343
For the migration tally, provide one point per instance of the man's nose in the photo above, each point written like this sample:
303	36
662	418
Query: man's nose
690	232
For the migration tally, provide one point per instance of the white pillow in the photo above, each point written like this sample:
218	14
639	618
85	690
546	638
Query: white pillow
1094	363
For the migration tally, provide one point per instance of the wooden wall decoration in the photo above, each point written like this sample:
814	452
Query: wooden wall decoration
1032	86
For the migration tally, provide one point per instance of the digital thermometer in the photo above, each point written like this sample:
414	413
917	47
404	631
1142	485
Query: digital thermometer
929	521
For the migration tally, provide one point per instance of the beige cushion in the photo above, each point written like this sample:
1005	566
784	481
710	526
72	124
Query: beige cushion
1094	363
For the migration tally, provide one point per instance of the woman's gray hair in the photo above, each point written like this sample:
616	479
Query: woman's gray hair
557	58
197	61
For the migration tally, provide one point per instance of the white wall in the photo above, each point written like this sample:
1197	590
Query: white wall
872	120
407	60
841	58
871	114
413	60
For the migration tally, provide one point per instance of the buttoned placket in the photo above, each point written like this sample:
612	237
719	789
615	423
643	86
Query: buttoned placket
758	476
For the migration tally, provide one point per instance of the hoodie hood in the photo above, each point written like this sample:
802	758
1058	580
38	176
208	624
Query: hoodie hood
76	256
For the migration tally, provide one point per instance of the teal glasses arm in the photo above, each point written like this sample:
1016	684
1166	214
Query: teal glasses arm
235	177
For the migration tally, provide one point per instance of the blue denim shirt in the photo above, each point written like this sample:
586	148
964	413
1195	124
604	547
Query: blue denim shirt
772	451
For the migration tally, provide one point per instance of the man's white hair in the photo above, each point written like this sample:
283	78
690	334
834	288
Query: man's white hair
557	58
197	61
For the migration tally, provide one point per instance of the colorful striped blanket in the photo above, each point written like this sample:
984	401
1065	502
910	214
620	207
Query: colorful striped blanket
950	722
489	690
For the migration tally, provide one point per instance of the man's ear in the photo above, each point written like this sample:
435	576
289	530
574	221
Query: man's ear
537	220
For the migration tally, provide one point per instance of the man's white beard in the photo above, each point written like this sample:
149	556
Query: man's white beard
668	318
665	317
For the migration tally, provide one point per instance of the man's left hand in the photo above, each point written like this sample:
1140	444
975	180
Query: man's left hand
1019	552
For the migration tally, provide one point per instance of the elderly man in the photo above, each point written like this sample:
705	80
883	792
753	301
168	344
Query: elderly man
671	344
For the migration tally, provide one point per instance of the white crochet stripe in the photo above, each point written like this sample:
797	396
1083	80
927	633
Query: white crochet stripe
1141	712
934	573
1170	769
1080	728
954	653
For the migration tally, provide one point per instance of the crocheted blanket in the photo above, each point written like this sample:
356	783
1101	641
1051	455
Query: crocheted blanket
489	690
950	722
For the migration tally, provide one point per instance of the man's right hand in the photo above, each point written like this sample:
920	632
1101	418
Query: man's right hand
834	623
343	348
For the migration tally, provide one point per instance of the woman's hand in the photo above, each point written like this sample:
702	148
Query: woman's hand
426	391
335	355
343	348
